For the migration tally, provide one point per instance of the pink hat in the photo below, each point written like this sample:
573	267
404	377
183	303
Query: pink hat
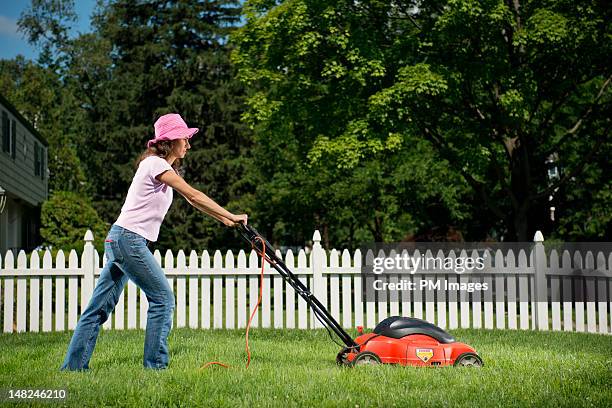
170	127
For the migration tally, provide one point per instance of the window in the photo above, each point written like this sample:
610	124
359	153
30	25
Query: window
43	169
36	159
39	160
13	138
6	137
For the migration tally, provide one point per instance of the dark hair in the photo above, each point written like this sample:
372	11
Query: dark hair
161	149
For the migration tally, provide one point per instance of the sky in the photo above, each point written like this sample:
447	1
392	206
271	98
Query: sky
13	43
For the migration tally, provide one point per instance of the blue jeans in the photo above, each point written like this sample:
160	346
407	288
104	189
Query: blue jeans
128	258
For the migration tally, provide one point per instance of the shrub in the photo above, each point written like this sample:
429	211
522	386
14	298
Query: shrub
65	218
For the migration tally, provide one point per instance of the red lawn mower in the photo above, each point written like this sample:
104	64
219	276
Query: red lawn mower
396	340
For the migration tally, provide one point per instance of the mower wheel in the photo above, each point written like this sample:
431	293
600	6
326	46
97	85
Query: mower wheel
366	358
468	360
341	358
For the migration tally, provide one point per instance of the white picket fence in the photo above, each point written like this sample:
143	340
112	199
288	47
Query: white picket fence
220	291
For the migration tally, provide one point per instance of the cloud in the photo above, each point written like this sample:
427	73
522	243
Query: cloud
8	27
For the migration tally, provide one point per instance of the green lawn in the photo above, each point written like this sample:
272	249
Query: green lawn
297	368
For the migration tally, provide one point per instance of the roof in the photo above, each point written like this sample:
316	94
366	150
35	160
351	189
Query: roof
23	120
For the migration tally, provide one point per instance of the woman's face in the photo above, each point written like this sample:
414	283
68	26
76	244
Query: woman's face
180	148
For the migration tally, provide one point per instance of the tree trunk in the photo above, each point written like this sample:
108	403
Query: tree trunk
377	230
351	237
520	185
521	226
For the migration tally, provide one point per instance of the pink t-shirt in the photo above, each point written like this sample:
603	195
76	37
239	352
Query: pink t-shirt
147	200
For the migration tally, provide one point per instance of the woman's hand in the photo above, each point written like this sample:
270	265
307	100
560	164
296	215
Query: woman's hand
240	218
235	220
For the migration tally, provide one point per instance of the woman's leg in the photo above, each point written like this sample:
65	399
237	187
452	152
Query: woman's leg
143	269
103	301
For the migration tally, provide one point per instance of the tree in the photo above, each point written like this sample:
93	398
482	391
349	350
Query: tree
489	90
47	24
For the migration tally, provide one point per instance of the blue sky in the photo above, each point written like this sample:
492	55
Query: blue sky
12	42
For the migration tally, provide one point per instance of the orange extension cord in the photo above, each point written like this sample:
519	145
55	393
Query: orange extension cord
261	277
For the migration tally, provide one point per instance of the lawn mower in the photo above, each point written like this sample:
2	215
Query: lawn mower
399	340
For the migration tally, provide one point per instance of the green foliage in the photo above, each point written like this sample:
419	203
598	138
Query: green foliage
482	91
65	218
590	218
367	120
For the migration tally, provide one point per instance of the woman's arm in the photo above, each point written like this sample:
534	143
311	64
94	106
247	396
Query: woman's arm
200	200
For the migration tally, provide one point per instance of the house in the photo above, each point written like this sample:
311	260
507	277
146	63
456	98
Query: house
24	180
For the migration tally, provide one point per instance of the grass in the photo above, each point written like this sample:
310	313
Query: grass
297	368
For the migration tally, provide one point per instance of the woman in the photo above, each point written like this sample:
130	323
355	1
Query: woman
128	256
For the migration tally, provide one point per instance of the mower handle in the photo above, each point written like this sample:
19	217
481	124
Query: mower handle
257	241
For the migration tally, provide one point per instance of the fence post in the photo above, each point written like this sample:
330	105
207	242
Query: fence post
316	265
88	264
540	289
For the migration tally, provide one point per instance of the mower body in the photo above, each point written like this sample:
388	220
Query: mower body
409	342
